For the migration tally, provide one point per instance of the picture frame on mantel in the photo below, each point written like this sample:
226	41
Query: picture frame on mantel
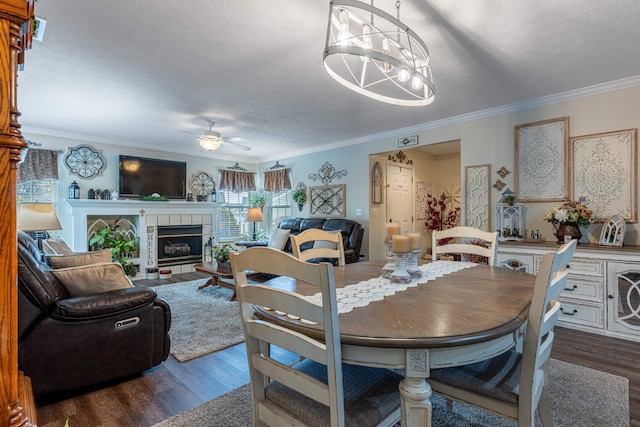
604	171
541	161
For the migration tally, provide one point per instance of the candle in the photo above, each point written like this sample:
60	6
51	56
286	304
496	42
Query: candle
392	228
414	241
400	243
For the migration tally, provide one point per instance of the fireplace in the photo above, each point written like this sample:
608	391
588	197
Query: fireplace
179	244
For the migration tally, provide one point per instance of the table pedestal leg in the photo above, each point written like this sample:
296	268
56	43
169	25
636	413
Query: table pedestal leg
415	394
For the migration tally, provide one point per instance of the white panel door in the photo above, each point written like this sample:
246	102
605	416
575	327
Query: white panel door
399	197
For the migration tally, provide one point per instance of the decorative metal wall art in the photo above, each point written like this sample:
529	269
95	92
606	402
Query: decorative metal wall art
604	171
377	184
498	185
400	157
477	196
542	173
202	184
329	201
327	173
84	161
503	171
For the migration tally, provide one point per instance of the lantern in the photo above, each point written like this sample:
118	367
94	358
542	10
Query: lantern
74	190
214	195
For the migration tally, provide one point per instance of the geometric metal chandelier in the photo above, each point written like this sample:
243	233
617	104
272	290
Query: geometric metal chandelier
373	53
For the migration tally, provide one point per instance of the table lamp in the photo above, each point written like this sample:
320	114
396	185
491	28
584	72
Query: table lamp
254	215
38	218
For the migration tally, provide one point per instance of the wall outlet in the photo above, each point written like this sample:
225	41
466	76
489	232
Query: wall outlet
358	212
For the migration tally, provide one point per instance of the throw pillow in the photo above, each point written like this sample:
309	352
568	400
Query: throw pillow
77	260
93	279
325	243
56	246
279	238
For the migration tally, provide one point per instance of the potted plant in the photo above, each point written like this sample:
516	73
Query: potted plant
121	246
299	196
220	253
259	200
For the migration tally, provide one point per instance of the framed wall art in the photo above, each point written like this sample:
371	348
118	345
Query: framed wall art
377	184
541	160
605	172
329	201
476	181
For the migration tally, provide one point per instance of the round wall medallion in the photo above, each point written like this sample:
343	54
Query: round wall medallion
202	184
84	161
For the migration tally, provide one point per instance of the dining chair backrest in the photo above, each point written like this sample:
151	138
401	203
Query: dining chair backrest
468	241
514	384
326	245
285	394
543	315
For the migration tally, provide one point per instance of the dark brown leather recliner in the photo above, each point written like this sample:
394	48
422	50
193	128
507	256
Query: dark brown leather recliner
68	342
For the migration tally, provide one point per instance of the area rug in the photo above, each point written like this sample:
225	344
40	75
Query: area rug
579	397
202	321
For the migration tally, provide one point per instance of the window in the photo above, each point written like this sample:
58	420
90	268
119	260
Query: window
232	224
38	190
279	207
231	216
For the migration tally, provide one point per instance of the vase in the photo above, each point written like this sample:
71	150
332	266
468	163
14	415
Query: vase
570	229
300	207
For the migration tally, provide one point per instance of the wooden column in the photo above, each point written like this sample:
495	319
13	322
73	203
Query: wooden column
16	400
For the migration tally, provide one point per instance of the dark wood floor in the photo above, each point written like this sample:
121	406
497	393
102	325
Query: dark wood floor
174	387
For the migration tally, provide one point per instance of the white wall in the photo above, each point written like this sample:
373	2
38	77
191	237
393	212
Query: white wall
487	140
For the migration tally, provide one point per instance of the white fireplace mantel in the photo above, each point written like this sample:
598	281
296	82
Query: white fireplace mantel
150	214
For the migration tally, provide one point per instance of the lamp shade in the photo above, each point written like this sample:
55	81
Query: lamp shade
254	215
37	217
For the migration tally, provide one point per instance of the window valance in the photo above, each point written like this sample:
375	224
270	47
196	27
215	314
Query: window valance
237	181
277	180
38	164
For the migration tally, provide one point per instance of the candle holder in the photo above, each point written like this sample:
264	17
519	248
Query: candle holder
400	274
412	264
389	266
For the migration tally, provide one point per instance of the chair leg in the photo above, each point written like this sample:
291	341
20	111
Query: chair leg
544	407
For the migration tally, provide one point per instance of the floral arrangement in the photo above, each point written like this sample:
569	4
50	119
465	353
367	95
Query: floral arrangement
571	212
439	215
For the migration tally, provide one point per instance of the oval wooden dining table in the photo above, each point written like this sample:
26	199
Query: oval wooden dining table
460	318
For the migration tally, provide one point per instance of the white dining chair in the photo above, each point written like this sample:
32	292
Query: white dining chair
320	390
474	244
326	245
513	384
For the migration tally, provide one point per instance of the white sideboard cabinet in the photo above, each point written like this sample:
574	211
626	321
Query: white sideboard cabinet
602	292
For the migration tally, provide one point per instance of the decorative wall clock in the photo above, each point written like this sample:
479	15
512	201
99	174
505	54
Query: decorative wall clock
202	184
329	201
84	161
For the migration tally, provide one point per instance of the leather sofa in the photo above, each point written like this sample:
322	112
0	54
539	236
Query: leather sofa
68	342
352	233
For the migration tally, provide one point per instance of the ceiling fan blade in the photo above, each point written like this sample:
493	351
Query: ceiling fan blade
235	144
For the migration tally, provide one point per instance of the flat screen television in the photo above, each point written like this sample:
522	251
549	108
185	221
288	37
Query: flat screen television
140	176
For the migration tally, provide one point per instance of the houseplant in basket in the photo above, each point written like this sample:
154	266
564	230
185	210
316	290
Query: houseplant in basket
568	218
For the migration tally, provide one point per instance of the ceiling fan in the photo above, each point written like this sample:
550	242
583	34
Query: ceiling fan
212	140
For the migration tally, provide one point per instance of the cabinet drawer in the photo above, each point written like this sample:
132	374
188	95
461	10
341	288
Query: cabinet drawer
581	314
587	267
516	262
584	288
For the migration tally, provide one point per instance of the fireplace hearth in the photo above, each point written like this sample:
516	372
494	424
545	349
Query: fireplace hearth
179	244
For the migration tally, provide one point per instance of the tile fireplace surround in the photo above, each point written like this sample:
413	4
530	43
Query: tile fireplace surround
149	215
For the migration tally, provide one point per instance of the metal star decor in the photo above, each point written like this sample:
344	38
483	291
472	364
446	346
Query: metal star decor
503	172
452	196
499	185
327	173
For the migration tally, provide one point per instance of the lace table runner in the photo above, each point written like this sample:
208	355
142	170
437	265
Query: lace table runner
376	289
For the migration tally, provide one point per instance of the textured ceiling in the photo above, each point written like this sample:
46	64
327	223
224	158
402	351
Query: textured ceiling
144	73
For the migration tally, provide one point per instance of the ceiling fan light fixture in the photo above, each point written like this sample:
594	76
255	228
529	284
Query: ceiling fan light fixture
373	53
210	141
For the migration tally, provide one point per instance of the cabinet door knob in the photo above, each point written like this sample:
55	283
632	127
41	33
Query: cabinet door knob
610	296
